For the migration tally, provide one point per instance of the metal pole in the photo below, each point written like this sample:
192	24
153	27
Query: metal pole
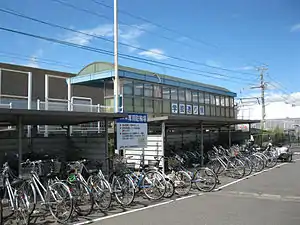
0	84
202	144
116	81
98	123
106	146
46	100
163	132
229	137
69	93
20	136
29	100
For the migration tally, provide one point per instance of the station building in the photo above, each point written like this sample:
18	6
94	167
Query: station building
179	110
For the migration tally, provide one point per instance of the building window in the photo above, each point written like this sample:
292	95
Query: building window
188	96
207	110
217	100
174	94
201	97
232	113
218	111
166	106
195	97
227	112
207	98
222	99
148	105
138	105
212	100
231	102
222	112
157	91
181	94
138	89
148	90
157	106
166	93
128	104
227	101
128	87
213	111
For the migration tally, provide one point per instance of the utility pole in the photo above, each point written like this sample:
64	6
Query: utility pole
116	80
263	105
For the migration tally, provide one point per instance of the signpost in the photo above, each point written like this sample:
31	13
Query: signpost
132	131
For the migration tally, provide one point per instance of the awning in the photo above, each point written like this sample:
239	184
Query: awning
46	117
195	121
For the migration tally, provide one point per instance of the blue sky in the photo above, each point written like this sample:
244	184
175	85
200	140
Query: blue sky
233	34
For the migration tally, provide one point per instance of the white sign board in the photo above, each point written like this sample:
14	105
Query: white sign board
201	110
174	108
195	110
182	108
132	131
189	109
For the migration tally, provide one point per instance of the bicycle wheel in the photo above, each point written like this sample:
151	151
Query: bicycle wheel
216	166
82	197
170	188
205	179
124	190
27	193
237	168
248	165
271	160
1	213
154	185
60	201
183	182
257	162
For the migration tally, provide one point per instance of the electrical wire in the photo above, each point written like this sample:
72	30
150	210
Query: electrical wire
110	53
145	30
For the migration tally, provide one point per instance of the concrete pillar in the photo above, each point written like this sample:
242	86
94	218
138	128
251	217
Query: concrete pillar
202	144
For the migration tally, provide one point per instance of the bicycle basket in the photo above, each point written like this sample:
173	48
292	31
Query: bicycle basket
153	164
77	167
173	163
1	179
26	170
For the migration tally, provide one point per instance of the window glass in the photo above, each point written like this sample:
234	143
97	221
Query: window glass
181	94
217	100
227	101
206	98
166	106
213	111
128	104
218	111
222	101
166	92
223	112
109	88
227	112
138	105
148	90
201	97
207	110
232	113
212	100
138	88
157	106
157	91
231	102
128	87
149	105
174	95
195	96
188	95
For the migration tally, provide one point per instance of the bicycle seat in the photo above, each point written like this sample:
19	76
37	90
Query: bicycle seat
195	165
17	182
94	171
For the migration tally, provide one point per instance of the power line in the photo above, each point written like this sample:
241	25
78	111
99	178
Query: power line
154	33
163	27
106	52
15	13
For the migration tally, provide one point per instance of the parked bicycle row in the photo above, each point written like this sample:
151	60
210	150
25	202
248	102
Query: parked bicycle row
65	190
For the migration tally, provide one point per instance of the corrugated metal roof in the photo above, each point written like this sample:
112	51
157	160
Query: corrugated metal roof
97	67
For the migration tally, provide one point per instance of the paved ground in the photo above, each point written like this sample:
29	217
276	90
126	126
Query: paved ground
269	198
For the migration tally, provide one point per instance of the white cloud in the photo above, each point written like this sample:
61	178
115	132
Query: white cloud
127	34
33	61
154	53
295	28
246	68
278	106
212	63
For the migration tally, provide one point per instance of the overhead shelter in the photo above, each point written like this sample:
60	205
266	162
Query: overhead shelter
22	117
184	121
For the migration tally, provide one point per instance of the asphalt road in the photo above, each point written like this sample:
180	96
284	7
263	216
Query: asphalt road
269	198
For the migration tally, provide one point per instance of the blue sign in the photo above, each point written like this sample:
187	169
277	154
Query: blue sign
174	108
182	108
189	109
201	110
134	118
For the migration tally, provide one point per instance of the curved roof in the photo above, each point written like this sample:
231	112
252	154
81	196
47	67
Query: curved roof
97	67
